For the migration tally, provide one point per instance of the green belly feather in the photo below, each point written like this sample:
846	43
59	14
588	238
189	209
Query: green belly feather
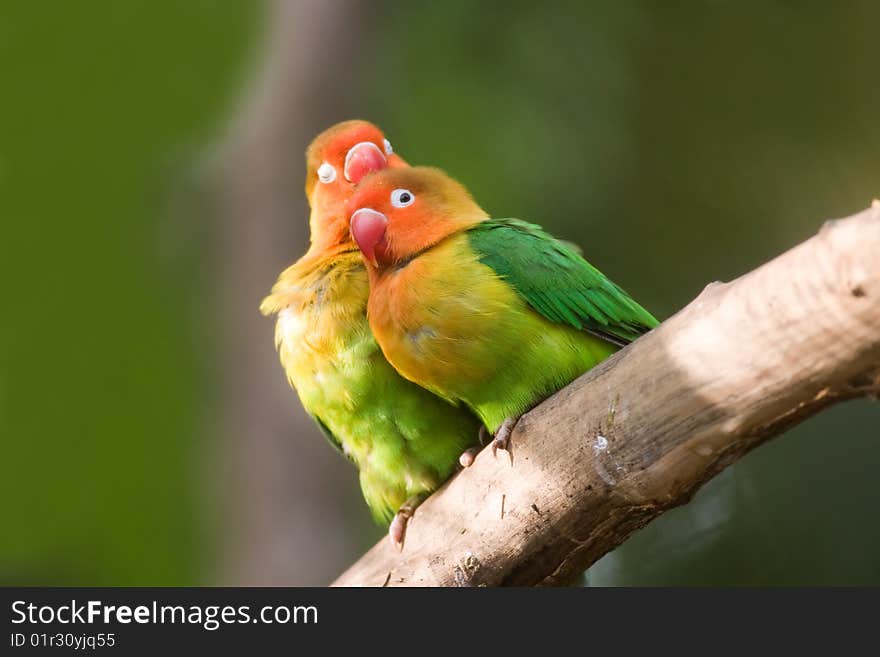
404	440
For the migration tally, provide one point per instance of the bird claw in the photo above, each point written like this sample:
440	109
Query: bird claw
397	528
502	437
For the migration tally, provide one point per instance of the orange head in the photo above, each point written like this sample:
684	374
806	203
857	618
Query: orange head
337	160
395	214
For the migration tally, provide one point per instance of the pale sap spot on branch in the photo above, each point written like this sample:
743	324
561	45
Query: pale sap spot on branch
732	425
703	450
600	447
463	573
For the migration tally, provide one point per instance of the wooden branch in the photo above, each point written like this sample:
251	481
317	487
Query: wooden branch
640	433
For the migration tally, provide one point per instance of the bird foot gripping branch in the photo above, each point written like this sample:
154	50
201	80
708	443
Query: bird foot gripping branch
501	440
397	528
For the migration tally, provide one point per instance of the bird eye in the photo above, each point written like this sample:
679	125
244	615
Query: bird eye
326	173
388	149
400	198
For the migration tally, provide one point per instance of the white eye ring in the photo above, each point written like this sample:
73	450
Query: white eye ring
326	173
388	149
400	198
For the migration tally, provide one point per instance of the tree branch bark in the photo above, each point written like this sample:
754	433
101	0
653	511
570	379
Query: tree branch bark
640	433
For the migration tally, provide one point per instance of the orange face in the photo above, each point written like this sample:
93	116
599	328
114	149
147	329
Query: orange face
397	213
337	160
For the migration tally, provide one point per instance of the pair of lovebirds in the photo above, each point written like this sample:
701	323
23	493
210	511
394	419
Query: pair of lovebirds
415	322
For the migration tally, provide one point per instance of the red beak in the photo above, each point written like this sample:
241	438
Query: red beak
362	159
368	230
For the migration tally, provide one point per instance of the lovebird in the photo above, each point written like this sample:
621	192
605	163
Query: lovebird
493	314
404	440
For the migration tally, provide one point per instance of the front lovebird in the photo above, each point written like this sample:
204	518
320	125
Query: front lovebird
492	313
404	440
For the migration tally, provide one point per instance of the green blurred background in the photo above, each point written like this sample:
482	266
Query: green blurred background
150	190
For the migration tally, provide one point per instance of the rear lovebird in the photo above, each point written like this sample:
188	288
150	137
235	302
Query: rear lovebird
404	439
491	313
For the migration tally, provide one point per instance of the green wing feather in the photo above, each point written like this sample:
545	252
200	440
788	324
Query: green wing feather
557	282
